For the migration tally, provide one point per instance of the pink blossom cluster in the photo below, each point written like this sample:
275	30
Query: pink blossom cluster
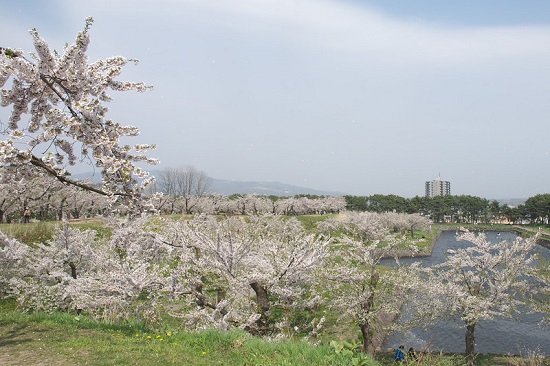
58	107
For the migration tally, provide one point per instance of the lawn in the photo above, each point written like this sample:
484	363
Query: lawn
65	339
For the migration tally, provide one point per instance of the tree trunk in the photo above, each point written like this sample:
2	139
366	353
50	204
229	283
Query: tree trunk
203	301
470	343
368	305
263	304
60	209
73	270
367	332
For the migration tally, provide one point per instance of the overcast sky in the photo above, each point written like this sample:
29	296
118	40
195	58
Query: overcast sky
356	96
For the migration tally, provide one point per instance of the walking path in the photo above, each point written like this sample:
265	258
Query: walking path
544	236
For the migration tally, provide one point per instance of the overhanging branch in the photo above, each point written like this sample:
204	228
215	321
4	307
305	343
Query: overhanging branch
40	164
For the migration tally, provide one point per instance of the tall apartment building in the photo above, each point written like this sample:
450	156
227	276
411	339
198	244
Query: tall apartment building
438	187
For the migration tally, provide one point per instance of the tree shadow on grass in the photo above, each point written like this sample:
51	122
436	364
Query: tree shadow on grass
11	335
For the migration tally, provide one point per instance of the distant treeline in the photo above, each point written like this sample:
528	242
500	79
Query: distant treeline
457	209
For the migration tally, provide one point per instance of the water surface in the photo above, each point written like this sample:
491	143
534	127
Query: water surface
500	335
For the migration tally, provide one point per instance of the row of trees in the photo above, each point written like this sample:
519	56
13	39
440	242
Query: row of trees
186	191
46	198
51	200
269	275
457	209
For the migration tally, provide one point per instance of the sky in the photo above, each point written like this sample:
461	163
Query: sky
355	96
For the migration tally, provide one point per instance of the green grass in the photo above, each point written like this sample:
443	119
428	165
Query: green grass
64	339
31	233
310	221
41	232
491	227
60	339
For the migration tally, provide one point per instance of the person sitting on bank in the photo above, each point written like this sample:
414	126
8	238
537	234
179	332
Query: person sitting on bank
399	354
411	355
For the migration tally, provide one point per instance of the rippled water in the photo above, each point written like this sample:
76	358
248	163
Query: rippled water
503	336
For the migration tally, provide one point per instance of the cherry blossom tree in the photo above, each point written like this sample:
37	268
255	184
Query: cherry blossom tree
362	291
110	278
46	198
362	226
11	190
48	270
12	260
481	280
401	222
259	273
58	106
222	261
540	300
80	203
25	188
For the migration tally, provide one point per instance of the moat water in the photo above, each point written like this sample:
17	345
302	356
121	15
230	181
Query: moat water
523	336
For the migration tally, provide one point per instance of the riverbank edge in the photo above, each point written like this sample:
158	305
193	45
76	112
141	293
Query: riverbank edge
429	251
544	238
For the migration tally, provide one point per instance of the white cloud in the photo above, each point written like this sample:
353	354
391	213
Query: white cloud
345	27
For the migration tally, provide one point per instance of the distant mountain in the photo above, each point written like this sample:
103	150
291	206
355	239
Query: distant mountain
228	187
512	202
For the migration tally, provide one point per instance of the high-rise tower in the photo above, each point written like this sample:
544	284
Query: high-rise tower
438	187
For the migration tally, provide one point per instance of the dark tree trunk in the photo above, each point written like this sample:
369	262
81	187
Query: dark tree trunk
60	209
203	301
73	270
366	328
367	333
470	343
262	301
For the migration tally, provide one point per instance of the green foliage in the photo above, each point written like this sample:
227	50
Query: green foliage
458	209
537	208
352	351
378	203
31	233
41	232
310	221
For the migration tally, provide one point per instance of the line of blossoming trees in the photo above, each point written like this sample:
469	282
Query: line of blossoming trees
52	200
266	274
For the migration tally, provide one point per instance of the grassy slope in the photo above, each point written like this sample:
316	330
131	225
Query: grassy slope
63	339
60	339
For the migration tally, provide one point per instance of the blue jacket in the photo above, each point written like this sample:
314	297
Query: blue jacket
399	355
